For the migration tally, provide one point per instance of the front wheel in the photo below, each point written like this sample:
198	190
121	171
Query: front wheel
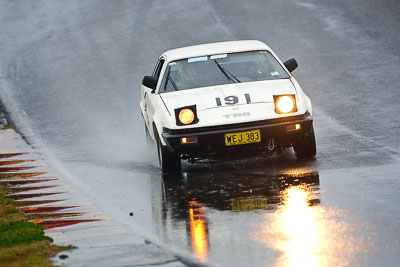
306	147
169	161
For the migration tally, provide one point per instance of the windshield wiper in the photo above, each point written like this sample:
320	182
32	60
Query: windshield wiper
173	83
170	79
227	74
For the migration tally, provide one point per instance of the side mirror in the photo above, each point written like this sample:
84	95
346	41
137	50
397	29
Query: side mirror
150	82
291	64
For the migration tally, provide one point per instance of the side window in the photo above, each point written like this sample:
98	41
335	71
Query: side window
158	68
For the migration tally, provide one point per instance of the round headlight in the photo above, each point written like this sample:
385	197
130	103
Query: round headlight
285	104
186	116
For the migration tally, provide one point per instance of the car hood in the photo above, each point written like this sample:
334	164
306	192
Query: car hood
208	97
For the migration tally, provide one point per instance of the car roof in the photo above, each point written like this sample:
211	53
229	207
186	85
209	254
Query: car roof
214	49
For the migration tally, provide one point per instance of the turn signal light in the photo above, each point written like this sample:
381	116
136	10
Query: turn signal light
189	140
293	127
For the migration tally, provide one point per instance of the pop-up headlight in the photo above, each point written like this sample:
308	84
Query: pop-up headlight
285	104
186	115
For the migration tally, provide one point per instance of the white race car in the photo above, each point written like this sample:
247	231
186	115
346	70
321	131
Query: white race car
225	98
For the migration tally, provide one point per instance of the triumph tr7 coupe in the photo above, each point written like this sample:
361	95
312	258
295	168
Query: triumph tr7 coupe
220	99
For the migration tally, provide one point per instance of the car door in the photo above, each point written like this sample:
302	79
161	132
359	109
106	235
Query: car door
149	95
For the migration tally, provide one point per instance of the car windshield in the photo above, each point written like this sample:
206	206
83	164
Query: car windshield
221	69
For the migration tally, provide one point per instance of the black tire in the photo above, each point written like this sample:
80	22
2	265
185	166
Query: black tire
170	162
306	147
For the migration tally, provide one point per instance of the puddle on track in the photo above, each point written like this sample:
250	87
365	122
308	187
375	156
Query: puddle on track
270	211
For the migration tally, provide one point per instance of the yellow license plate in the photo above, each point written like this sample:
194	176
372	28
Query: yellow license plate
233	139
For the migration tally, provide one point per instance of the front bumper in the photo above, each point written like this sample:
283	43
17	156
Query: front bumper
211	140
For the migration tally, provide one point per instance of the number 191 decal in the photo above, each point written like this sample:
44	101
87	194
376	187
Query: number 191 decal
232	100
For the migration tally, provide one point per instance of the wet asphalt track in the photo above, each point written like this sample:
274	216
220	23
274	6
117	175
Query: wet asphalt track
74	70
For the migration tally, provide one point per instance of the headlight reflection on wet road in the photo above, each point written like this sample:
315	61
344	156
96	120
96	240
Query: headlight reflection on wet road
308	235
290	226
198	231
300	225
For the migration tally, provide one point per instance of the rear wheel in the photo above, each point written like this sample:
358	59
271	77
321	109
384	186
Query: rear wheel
169	161
306	147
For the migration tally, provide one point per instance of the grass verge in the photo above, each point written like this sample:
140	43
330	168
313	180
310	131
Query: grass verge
22	243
